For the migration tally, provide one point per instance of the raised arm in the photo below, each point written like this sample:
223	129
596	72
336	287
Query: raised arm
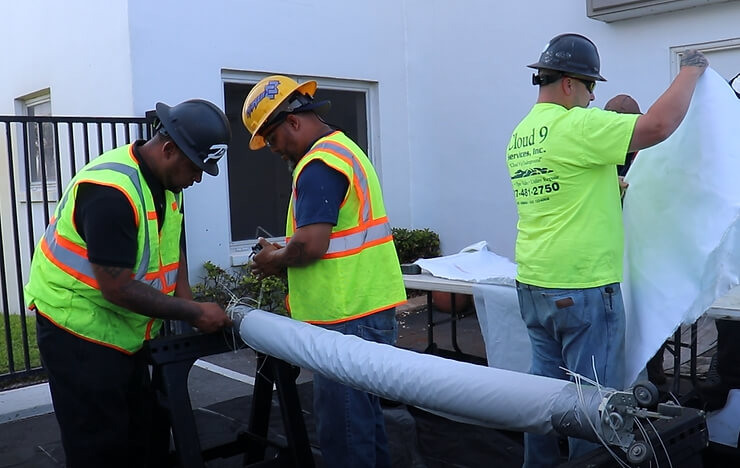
666	114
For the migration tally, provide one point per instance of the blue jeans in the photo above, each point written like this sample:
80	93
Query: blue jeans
350	422
567	328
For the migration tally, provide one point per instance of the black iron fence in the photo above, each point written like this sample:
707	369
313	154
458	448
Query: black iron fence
38	157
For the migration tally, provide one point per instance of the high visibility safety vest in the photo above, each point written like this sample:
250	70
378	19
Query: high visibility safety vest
359	274
62	285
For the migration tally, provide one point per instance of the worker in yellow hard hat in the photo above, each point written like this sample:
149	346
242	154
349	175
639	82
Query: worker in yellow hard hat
343	271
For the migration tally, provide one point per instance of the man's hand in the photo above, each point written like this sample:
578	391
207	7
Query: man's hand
694	58
307	245
264	264
622	186
666	114
212	317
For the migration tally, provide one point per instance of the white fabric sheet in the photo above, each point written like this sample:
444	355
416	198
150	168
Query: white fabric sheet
681	211
496	304
474	263
724	425
504	332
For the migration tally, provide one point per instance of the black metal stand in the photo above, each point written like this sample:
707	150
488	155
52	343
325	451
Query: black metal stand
455	352
173	356
674	347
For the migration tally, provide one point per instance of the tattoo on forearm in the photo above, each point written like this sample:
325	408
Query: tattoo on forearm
694	58
142	298
295	253
153	303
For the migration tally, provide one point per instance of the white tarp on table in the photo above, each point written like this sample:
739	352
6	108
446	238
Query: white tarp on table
681	210
503	330
474	263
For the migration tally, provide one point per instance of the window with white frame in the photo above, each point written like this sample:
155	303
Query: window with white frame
723	56
40	146
615	10
259	181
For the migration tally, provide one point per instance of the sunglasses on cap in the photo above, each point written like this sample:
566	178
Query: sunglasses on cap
291	105
159	127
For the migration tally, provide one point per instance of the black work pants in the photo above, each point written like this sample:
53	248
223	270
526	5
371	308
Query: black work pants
104	403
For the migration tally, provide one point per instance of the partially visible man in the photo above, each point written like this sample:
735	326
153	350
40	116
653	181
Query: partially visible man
343	271
625	104
107	271
562	160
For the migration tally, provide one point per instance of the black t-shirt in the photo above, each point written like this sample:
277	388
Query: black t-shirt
105	219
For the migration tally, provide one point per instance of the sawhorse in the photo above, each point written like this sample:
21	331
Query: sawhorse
674	347
173	356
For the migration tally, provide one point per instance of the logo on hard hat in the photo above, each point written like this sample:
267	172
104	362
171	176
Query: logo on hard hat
271	90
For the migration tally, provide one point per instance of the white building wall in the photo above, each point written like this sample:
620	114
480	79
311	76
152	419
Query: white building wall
79	49
469	86
79	52
182	56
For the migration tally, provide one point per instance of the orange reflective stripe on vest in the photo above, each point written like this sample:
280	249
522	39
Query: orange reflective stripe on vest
360	266
360	178
369	232
72	258
165	279
353	241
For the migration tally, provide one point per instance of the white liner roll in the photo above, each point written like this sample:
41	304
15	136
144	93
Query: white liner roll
460	391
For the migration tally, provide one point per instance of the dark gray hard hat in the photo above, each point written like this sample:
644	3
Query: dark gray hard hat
199	128
572	54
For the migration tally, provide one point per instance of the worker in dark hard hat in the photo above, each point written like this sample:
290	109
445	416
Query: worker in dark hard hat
343	271
562	159
107	271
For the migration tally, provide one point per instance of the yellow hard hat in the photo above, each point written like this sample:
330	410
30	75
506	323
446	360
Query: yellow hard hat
265	98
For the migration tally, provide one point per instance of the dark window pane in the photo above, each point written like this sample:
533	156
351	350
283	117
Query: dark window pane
259	181
37	132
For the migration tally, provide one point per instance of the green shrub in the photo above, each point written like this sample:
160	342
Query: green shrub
16	337
412	244
227	286
239	284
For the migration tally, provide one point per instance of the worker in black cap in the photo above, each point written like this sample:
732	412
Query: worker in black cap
106	273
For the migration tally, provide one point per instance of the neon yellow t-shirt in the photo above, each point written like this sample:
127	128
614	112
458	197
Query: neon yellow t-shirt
563	171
